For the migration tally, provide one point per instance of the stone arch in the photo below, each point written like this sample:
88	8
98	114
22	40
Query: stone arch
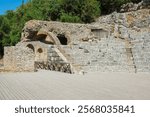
47	37
30	46
64	37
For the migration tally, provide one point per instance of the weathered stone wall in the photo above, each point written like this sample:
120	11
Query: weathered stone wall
9	58
133	29
30	56
39	49
18	59
22	58
141	50
119	42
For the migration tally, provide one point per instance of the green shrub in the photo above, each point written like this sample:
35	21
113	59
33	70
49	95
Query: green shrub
69	18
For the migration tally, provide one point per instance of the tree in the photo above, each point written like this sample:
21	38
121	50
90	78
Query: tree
108	6
81	10
69	18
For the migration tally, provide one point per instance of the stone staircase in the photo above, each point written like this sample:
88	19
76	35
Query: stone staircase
67	58
141	54
107	55
130	58
141	49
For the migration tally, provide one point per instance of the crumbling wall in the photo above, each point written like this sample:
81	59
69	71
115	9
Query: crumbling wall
74	33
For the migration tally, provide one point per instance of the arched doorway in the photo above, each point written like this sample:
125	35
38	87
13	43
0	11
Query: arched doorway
63	40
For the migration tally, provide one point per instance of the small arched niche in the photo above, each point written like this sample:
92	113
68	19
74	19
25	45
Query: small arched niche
63	40
30	46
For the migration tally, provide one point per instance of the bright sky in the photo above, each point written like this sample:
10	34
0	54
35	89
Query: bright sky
9	5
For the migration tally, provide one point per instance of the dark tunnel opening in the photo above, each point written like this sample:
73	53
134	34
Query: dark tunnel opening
63	40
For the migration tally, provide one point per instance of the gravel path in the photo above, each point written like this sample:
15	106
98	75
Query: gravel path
45	85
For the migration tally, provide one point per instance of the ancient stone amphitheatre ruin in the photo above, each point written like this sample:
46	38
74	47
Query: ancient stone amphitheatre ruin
119	42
